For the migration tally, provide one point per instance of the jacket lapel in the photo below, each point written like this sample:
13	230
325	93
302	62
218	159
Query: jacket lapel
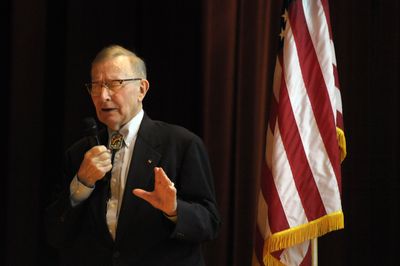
141	171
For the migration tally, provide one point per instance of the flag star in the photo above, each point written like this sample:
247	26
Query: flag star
285	15
282	34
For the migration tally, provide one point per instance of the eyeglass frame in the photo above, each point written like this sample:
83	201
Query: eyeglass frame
107	85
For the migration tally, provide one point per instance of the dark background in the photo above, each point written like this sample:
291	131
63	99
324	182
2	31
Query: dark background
210	66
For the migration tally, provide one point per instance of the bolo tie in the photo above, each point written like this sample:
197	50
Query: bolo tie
116	143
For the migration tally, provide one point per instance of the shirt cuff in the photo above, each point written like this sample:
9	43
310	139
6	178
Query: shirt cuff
78	191
173	219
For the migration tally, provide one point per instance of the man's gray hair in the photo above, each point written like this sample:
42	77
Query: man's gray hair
112	51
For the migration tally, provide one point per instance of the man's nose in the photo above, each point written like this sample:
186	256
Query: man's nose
105	91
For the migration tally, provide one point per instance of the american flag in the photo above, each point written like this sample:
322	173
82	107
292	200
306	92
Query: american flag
300	188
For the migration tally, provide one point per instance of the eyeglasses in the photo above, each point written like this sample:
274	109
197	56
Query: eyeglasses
95	88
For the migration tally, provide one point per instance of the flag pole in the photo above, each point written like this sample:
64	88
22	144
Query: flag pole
314	251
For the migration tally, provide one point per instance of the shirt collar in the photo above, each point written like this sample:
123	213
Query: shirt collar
130	129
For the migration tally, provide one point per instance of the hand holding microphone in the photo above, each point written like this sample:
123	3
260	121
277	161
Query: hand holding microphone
97	160
96	163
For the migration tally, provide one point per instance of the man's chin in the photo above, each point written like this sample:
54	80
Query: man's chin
112	124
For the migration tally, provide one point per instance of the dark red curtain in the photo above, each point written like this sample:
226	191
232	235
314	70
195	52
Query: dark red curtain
240	38
239	42
210	68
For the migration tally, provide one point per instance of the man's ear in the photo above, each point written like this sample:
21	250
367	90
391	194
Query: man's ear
144	87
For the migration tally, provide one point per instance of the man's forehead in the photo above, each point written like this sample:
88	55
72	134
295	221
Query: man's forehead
115	64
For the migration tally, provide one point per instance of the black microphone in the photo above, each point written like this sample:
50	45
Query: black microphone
90	130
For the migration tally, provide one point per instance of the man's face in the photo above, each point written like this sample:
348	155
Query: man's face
116	108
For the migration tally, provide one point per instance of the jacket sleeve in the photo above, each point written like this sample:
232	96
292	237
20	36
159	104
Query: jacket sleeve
198	217
62	220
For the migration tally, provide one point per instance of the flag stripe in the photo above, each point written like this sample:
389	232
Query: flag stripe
339	120
325	7
319	30
273	113
319	33
308	129
285	183
262	222
275	207
307	259
305	183
275	95
295	255
278	254
335	75
315	85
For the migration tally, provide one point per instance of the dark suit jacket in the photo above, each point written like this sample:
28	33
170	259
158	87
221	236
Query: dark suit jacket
144	235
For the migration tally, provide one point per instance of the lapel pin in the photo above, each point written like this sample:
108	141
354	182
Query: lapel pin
149	161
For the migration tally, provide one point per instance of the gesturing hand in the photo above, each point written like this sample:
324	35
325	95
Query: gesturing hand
164	195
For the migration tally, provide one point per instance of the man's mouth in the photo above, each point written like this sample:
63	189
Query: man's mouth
108	109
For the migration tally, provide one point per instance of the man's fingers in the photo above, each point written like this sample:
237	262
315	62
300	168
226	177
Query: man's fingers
142	194
104	155
147	196
164	195
96	150
98	154
161	177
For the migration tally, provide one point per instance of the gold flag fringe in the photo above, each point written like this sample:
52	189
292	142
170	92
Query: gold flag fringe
299	234
270	260
342	143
